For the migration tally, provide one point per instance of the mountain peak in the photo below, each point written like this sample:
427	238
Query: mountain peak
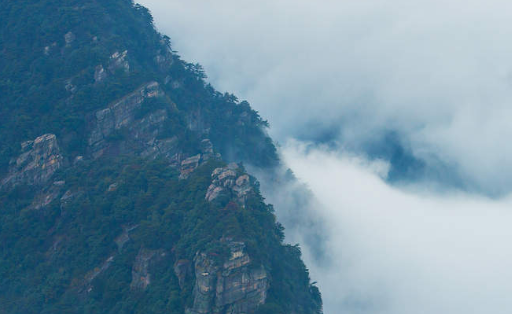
122	180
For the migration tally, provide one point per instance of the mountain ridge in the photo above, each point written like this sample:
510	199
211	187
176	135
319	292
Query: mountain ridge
123	187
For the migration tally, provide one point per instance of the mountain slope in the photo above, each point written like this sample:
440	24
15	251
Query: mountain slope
122	185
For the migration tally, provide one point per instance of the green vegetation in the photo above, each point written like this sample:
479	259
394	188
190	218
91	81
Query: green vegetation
49	256
37	65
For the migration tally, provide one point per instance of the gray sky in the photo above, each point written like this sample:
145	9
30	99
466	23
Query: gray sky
439	73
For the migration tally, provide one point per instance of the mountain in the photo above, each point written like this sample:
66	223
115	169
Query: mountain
123	181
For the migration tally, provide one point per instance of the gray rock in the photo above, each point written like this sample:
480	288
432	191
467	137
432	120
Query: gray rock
227	180
99	74
69	38
207	150
123	114
113	187
124	237
213	192
233	287
91	275
197	123
206	147
78	159
118	62
189	165
183	270
141	278
164	60
68	195
44	198
37	163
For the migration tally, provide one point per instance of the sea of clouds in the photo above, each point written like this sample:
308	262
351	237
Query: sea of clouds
436	73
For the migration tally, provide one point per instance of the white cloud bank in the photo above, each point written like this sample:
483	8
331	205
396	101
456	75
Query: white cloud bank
437	72
396	252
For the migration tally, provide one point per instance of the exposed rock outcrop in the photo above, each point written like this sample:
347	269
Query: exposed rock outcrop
127	125
68	198
183	270
91	275
207	149
232	287
141	278
189	165
118	62
124	237
69	38
230	181
123	115
37	163
45	197
99	74
113	187
197	123
163	59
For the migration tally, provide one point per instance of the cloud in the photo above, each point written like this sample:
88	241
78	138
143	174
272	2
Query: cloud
387	250
437	72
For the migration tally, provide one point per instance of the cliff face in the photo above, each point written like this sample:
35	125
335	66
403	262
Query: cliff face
122	115
141	277
122	185
236	286
37	163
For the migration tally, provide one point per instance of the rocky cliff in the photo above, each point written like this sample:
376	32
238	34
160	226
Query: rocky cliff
122	179
235	286
230	182
39	160
124	116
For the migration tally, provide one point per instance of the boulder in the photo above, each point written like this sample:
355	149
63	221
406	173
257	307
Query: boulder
228	180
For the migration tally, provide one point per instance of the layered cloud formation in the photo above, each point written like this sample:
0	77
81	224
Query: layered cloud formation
437	75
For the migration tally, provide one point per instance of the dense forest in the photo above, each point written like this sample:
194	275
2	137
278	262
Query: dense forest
122	179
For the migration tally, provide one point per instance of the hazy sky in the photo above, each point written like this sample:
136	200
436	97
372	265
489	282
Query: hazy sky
439	74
